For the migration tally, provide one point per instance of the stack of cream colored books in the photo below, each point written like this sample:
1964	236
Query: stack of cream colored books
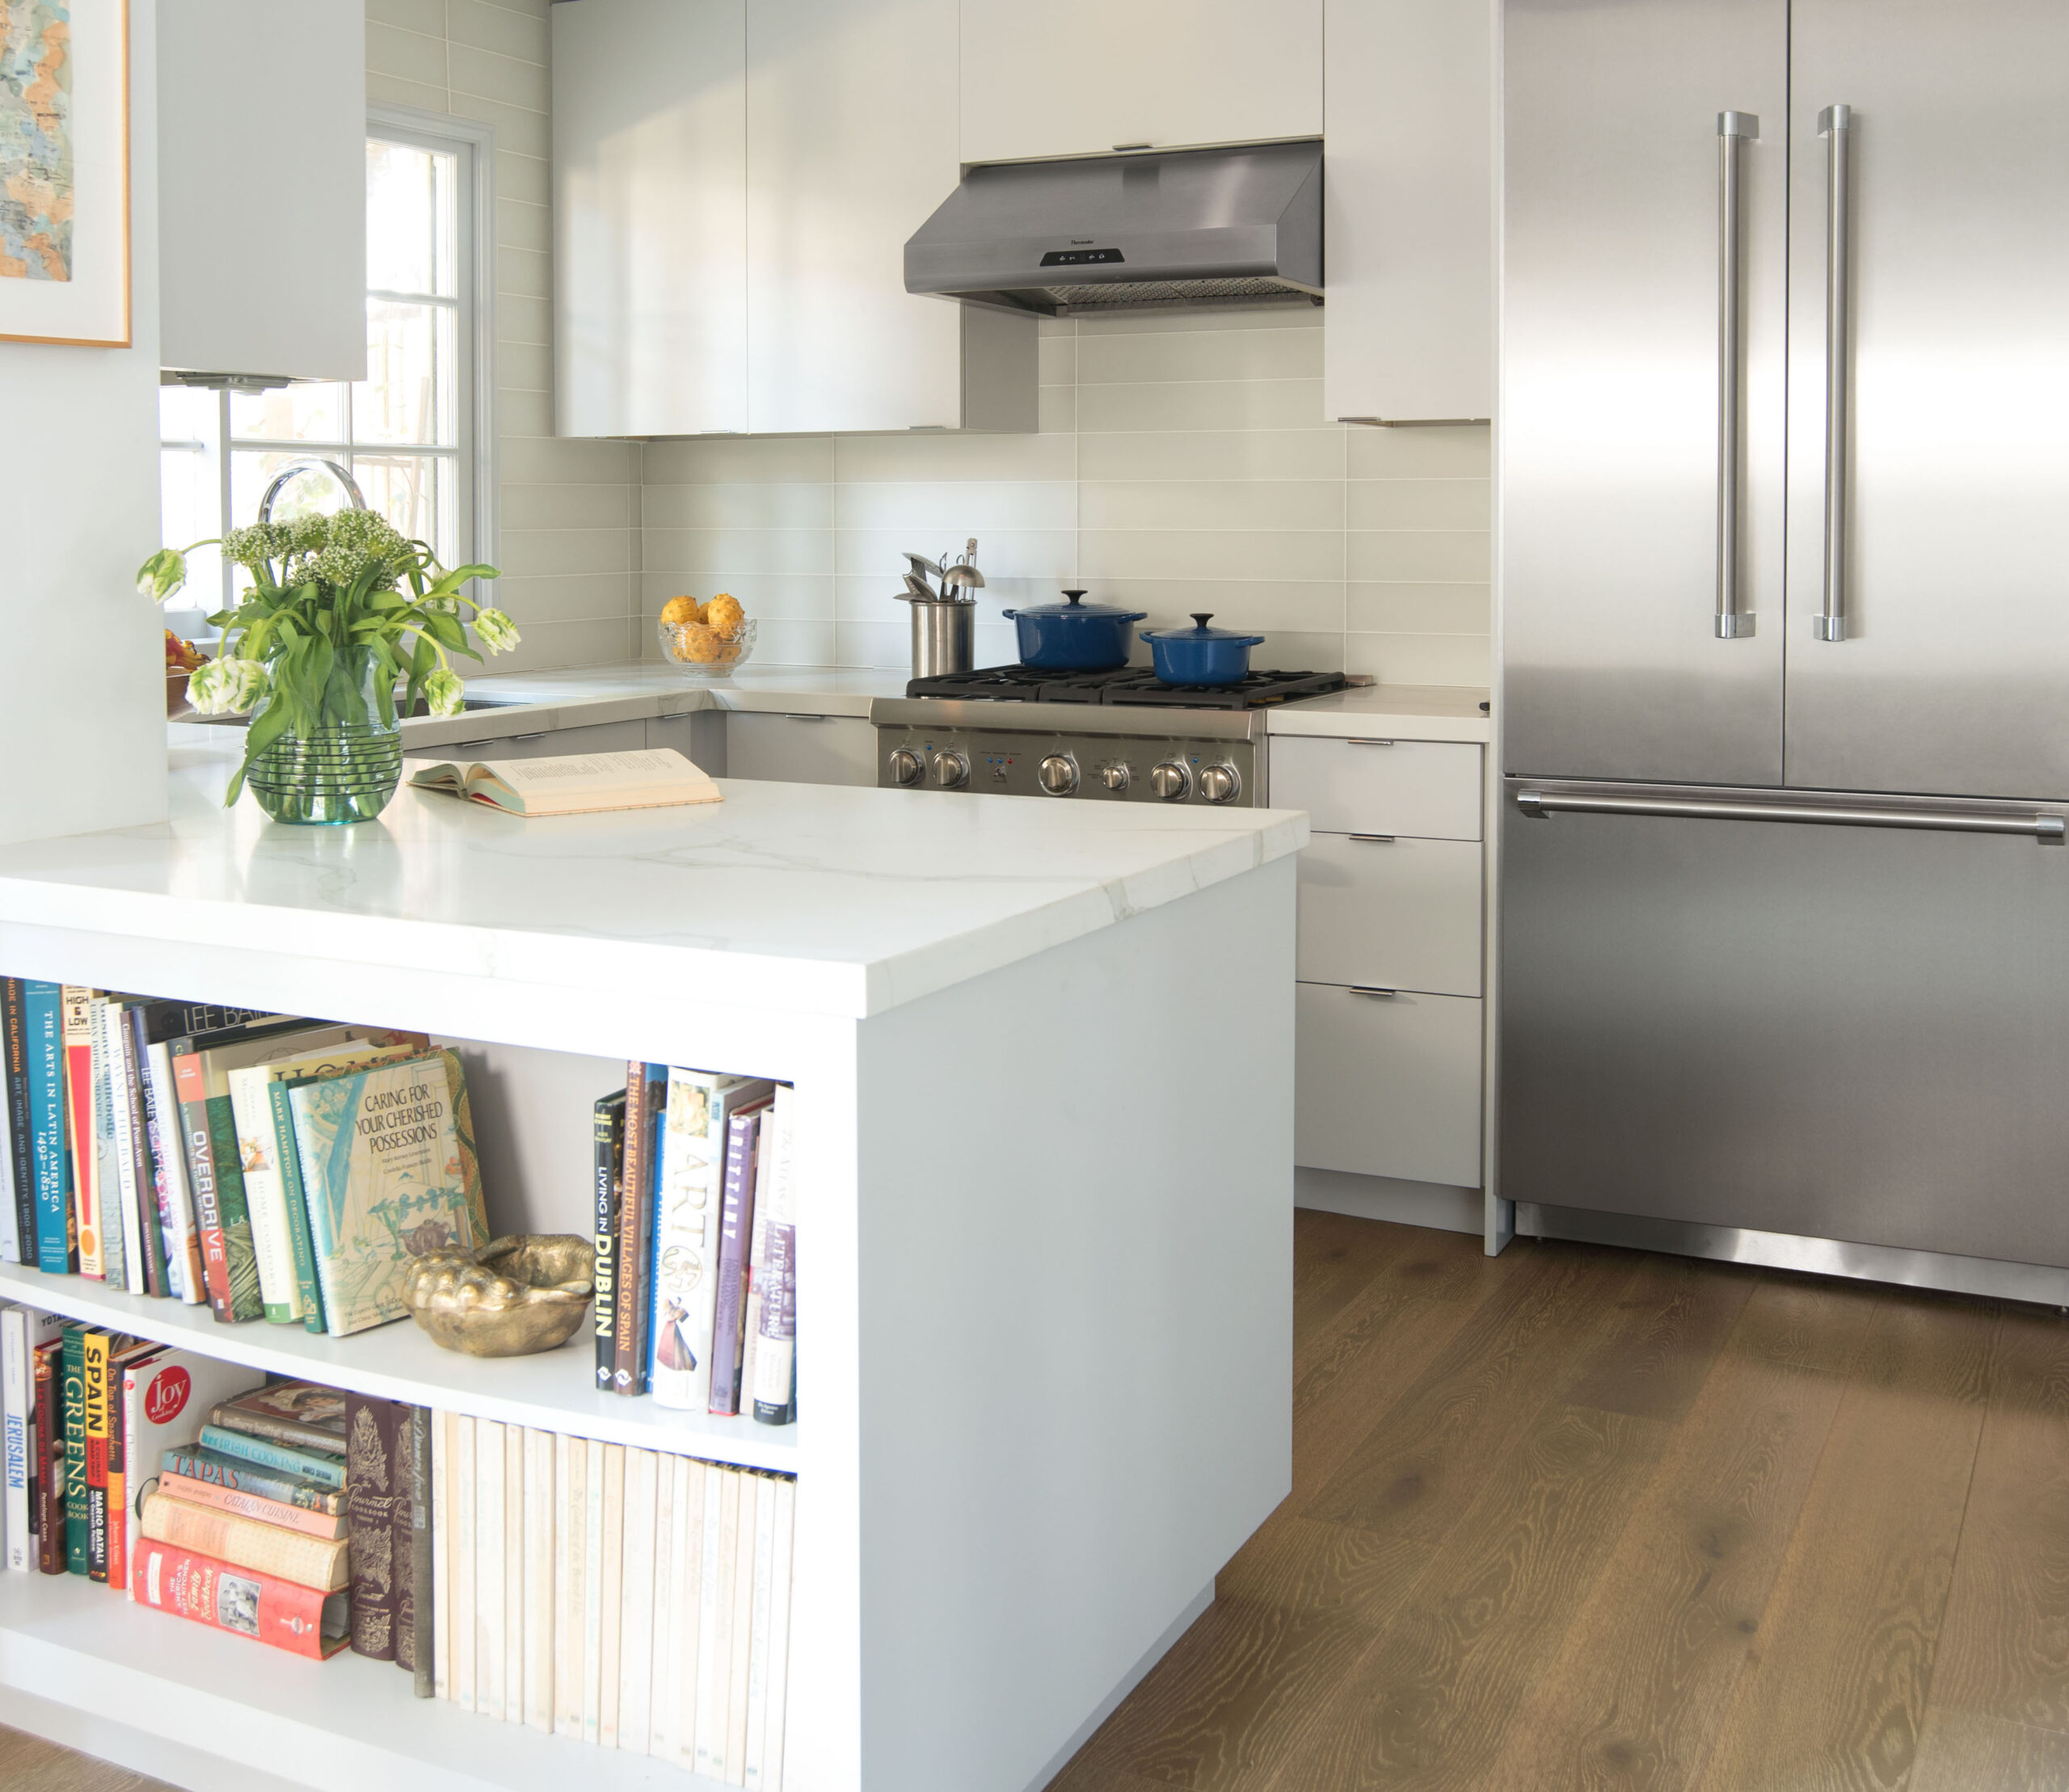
656	777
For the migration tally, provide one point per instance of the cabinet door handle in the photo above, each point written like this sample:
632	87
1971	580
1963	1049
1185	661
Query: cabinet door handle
1375	840
1733	129
789	717
1373	989
2049	829
1357	743
1835	125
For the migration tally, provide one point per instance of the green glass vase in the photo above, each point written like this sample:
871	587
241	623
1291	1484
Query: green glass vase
345	769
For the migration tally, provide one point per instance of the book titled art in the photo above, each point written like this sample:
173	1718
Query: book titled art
383	1175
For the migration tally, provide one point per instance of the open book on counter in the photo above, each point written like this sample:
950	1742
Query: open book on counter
587	783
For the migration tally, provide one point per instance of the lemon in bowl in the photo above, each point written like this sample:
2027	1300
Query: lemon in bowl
706	640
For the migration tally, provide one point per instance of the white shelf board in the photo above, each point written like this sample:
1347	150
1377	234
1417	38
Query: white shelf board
340	1726
552	1390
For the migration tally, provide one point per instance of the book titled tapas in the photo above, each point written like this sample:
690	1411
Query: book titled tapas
304	1620
651	778
383	1175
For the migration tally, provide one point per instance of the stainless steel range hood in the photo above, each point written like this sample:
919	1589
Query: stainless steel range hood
1185	227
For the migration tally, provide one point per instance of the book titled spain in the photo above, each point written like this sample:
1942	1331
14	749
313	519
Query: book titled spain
381	1173
304	1620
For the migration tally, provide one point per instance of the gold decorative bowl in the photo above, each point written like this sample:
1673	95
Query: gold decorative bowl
522	1294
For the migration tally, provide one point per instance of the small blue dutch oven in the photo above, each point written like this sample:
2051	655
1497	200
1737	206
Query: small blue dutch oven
1200	654
1074	636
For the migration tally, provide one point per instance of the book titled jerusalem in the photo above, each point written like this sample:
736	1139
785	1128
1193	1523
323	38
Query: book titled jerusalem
381	1173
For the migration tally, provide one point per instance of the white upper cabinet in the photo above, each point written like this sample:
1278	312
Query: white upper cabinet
649	216
733	187
261	188
1408	331
1088	77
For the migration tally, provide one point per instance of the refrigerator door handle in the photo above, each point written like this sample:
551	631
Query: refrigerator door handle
1540	805
1733	129
1835	125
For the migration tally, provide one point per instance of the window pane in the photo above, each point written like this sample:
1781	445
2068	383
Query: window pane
409	221
414	492
313	494
313	413
190	499
409	394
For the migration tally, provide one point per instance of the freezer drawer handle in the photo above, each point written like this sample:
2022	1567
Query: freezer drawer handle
1375	840
1835	125
2047	829
1372	989
1356	741
1733	129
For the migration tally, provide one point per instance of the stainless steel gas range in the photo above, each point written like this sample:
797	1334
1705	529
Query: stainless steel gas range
1110	737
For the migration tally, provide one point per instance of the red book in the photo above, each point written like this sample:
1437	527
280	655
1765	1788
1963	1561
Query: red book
48	1508
300	1620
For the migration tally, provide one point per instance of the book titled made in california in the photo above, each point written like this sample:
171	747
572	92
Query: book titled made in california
383	1172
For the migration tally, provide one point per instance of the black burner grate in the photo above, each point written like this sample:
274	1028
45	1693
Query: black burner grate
1131	685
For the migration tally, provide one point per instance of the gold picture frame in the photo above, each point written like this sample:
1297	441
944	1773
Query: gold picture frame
87	305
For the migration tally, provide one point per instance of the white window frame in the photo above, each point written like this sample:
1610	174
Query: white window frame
472	145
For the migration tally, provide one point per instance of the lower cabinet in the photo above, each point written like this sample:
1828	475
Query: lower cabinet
548	743
1388	1085
800	749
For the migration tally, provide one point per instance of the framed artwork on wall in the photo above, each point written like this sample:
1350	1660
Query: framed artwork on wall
64	172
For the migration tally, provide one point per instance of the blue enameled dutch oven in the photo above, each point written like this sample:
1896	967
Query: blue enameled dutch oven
1200	654
1075	636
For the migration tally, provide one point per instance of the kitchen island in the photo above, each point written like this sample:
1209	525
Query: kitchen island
1042	1058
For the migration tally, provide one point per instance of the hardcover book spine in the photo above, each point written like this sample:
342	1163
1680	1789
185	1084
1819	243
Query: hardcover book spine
375	1477
112	1190
294	1433
539	1553
21	1122
259	1170
685	1242
15	1393
119	1516
571	1517
246	1504
660	1704
779	1634
635	1648
263	1607
73	1394
246	1477
94	1353
609	1121
414	1646
739	1655
199	1143
148	1255
592	1589
757	1663
240	1259
610	1631
688	1604
628	1375
456	1622
438	1622
735	1219
757	1256
775	1362
80	1149
245	1542
56	1241
513	1573
491	1632
295	1200
183	1256
48	1491
328	1471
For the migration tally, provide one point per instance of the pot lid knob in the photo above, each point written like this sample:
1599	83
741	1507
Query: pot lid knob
1074	596
1201	618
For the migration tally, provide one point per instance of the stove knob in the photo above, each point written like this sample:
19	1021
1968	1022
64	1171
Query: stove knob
1171	781
1220	783
951	770
1115	777
906	766
1058	774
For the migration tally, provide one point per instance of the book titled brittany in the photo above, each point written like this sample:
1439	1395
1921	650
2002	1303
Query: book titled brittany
382	1173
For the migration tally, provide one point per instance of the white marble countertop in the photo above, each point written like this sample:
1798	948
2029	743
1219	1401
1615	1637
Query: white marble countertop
528	702
806	898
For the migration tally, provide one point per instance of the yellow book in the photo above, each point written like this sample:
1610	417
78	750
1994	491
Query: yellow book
318	1562
652	777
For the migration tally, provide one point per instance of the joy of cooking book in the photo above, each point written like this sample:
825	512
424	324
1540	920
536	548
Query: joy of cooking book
382	1175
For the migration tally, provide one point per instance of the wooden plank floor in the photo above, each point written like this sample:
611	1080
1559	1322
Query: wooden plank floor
1583	1519
1574	1519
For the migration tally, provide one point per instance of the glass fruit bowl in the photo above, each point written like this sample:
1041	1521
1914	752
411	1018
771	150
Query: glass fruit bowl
697	652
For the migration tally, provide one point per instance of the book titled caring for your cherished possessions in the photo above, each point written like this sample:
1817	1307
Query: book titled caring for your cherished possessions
656	777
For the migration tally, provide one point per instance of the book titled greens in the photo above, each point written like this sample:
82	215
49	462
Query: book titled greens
385	1176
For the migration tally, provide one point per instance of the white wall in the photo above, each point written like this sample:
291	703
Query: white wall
569	510
1183	463
83	705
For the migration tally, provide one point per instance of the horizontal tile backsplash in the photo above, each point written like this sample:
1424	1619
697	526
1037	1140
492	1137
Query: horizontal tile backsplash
1183	464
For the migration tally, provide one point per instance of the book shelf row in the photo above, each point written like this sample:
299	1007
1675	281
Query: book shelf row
624	1598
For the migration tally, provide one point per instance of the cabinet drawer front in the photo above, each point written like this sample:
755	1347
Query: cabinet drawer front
550	744
1388	1085
1430	788
1401	913
801	749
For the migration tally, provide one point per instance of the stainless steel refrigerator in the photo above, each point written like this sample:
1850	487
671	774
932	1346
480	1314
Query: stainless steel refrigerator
1785	632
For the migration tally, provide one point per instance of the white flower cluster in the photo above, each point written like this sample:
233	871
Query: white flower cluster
226	687
334	551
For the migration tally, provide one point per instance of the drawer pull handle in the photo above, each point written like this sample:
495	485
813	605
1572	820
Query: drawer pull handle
1359	743
792	716
1372	989
1375	840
